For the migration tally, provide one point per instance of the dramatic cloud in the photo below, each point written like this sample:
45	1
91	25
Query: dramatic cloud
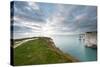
33	19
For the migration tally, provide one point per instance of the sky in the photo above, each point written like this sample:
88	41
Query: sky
45	19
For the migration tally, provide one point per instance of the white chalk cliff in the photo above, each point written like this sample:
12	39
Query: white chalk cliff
90	39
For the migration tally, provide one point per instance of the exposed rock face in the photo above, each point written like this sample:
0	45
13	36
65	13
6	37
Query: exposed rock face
90	39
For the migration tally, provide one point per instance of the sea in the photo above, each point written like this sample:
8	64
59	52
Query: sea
73	45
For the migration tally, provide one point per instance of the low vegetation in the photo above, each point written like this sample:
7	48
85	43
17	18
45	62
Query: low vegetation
40	51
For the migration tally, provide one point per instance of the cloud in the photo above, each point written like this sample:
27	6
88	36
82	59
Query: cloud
49	18
32	5
81	17
27	11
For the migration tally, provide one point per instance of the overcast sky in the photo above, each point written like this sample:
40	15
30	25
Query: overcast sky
31	19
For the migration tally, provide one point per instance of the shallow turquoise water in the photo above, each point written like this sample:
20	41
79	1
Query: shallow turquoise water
75	47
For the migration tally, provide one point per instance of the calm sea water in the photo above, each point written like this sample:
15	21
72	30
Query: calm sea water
75	47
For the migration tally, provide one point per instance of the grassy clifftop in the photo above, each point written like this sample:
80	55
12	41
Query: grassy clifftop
40	51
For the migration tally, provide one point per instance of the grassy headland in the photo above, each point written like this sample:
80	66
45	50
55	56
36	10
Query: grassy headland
40	51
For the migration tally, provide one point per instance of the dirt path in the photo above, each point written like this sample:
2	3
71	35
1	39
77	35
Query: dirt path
24	42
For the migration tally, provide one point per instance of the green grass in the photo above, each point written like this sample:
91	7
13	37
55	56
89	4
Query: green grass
39	51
